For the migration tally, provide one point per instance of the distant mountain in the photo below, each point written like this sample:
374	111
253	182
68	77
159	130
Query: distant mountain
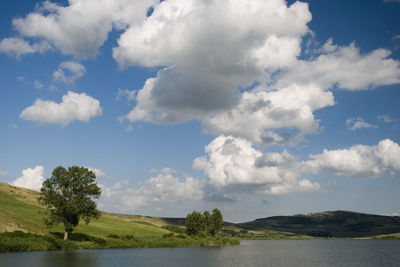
329	224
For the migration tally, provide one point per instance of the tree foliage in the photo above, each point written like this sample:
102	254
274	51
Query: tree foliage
194	223
204	224
68	195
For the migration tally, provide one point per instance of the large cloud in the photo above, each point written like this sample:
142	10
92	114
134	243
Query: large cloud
73	107
82	26
209	49
359	160
233	165
31	178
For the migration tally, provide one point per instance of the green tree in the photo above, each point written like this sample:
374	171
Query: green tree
207	222
68	195
194	223
216	221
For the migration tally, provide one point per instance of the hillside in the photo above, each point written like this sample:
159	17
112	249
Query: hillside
329	224
20	211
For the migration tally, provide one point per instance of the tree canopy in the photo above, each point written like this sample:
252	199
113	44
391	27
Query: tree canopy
204	224
68	195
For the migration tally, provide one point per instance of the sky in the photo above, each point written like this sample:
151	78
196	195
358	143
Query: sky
258	108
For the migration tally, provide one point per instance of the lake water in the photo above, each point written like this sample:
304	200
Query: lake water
249	253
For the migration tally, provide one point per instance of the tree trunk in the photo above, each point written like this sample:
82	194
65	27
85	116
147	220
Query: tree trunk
66	236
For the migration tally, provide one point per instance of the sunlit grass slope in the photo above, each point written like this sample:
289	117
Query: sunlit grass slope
20	210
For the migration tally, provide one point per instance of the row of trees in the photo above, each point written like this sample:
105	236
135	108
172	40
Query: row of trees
204	224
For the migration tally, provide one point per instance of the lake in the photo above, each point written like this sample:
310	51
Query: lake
325	252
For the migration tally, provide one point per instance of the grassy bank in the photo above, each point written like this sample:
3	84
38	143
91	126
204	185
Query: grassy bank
22	228
21	241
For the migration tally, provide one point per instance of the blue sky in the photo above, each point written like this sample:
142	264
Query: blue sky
259	108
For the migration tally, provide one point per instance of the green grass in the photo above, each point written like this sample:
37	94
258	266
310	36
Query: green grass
22	228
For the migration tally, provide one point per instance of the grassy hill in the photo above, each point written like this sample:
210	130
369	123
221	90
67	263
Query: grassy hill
329	224
20	211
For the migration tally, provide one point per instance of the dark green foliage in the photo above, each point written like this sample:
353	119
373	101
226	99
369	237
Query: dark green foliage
79	237
68	196
20	241
194	223
216	221
208	224
204	224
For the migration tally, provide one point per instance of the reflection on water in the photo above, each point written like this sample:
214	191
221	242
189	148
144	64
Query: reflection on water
250	253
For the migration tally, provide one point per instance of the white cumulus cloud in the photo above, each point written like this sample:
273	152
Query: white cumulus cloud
73	107
226	45
260	111
359	160
233	165
31	178
82	26
345	67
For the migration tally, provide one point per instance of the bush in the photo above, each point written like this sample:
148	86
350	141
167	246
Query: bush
20	241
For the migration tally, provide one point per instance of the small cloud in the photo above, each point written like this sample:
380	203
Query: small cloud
37	84
396	37
129	95
21	78
31	178
14	126
129	128
159	209
3	173
386	118
358	123
72	107
69	72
